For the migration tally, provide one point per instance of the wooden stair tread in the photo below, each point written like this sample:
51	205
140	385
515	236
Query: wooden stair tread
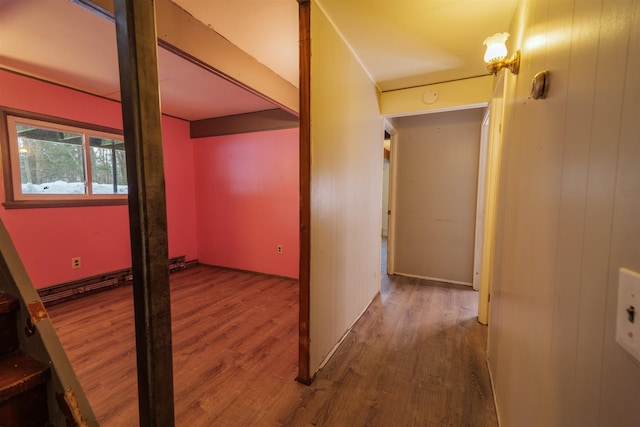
18	373
8	303
8	333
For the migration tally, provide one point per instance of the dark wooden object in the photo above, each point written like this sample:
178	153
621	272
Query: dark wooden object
23	380
259	121
8	337
304	374
138	63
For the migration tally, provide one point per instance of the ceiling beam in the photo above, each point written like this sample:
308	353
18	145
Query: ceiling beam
182	34
244	123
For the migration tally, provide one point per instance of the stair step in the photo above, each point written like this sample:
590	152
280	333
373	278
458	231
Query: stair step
8	331
7	303
23	391
18	373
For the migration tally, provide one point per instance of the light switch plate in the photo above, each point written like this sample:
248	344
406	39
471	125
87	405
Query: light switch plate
628	313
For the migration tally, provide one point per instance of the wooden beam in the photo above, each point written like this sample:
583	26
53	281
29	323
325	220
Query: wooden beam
185	36
244	123
304	374
138	63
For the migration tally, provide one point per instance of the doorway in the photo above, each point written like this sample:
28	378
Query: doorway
434	181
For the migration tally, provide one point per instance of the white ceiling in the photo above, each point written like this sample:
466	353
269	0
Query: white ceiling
406	43
265	29
59	41
401	43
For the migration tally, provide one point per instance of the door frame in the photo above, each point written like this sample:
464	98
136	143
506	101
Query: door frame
493	166
480	199
479	242
391	231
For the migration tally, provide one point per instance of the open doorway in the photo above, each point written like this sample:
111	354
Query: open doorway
385	200
433	187
388	199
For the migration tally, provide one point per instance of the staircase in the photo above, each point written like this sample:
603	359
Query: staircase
23	379
38	386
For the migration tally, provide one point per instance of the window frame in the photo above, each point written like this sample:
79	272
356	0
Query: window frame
14	198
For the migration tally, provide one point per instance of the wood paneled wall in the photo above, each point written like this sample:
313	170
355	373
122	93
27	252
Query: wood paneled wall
346	188
569	217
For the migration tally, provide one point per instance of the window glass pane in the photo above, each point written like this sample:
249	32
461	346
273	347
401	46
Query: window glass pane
108	166
51	162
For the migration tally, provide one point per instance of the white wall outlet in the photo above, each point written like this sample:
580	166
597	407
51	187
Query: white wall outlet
279	249
628	313
75	262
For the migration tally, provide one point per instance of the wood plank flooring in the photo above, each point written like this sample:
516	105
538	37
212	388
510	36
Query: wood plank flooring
416	357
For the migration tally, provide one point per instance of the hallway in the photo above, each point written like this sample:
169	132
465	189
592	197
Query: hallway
416	356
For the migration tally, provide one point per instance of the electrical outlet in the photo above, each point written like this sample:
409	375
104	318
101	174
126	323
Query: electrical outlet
627	318
75	262
279	249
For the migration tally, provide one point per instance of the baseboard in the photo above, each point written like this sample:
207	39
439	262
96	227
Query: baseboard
341	340
89	285
240	270
495	396
435	279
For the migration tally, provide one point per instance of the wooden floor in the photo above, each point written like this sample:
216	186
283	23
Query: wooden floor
416	357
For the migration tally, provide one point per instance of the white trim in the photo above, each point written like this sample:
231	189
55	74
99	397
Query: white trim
439	110
494	160
480	197
389	127
393	168
493	392
12	121
436	279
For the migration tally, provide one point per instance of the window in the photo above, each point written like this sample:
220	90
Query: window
63	164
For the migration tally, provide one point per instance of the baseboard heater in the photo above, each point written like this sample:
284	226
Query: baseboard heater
71	290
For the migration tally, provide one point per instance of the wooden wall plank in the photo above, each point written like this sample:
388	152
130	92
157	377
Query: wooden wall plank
346	186
568	214
625	237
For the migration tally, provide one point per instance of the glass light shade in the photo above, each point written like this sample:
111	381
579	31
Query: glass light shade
496	48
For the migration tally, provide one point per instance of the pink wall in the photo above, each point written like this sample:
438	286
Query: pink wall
247	198
180	192
248	201
47	239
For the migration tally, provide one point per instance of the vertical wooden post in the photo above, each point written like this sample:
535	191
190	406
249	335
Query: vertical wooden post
137	56
304	374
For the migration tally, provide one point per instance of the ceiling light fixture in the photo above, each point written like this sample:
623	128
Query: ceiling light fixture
496	54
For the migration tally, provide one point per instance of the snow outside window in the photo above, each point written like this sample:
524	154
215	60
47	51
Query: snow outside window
51	161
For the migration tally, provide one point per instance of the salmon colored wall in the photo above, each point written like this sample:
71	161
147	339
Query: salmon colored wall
47	239
248	201
181	195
